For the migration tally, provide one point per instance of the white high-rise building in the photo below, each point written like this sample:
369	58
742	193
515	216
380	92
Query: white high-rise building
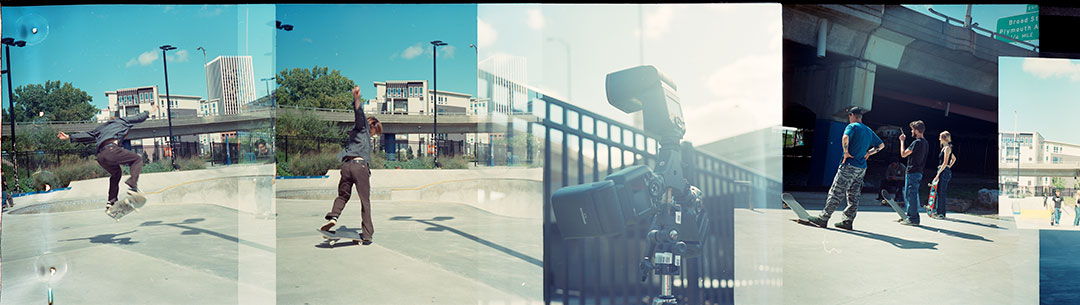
230	83
503	83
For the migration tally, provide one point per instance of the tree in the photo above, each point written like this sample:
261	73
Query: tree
58	102
315	87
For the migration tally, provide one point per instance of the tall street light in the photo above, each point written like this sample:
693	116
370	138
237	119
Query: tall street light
435	93
267	82
273	100
168	110
8	42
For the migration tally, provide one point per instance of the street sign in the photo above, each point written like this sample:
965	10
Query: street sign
1022	27
1032	8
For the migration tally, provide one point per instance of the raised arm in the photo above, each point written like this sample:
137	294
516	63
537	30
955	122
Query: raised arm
79	137
360	122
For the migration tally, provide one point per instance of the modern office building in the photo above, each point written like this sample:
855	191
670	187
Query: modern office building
230	83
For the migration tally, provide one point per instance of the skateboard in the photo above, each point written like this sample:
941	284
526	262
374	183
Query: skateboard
932	201
130	204
341	233
895	206
804	218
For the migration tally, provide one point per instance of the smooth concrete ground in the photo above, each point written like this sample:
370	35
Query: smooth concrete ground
963	260
176	254
423	253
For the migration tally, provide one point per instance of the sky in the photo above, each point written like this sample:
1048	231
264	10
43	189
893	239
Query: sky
1043	92
724	58
102	48
370	43
986	15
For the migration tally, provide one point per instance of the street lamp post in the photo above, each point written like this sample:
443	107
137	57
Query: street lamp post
273	101
8	42
168	102
435	94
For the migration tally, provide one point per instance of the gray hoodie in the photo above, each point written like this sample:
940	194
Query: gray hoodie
113	129
359	144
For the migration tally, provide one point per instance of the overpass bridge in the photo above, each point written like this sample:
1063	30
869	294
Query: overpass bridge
902	65
392	123
1040	170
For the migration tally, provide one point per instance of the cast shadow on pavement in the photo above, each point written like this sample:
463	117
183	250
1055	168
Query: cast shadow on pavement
992	226
108	239
435	227
954	233
895	241
196	231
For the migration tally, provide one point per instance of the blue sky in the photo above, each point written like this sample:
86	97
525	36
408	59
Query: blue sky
725	58
1043	92
102	48
986	15
370	43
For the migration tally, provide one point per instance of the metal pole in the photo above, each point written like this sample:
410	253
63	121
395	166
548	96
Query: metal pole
435	94
168	109
11	107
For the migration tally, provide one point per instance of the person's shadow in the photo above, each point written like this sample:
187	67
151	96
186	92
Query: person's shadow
108	239
992	226
954	233
895	241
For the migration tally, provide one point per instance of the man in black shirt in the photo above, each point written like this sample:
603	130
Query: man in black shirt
916	154
354	169
1056	217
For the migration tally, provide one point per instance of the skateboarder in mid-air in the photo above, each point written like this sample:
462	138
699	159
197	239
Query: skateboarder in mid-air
110	156
858	140
355	170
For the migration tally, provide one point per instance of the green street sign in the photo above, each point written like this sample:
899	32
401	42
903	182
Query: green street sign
1022	27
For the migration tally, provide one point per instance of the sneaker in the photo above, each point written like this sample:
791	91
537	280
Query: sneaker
909	223
328	225
817	221
844	225
109	205
132	190
366	242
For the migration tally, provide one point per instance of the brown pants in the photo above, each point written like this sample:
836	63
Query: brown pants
358	173
110	158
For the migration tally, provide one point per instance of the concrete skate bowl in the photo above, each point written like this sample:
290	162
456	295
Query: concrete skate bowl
514	197
60	206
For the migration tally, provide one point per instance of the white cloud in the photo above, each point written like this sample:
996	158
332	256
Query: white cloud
144	59
179	56
1052	67
485	34
448	51
535	19
168	8
658	22
412	51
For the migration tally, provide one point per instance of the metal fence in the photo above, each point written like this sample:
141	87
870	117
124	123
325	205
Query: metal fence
584	147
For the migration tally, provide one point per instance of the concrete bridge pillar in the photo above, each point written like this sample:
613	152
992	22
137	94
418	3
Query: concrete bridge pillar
389	144
828	89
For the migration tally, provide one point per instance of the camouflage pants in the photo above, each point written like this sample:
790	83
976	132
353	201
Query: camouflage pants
847	184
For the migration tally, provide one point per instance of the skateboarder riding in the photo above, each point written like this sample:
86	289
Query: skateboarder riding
916	154
110	156
858	140
355	170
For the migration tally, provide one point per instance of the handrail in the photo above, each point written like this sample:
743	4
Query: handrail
991	33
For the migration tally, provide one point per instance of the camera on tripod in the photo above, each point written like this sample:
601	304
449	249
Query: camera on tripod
637	194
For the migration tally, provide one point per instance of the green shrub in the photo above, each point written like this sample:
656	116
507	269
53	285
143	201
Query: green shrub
41	178
315	164
458	162
191	163
79	170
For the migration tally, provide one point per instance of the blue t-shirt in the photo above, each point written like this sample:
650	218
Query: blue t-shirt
860	139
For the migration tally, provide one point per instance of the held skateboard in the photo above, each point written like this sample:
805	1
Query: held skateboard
804	218
896	207
333	237
130	204
932	201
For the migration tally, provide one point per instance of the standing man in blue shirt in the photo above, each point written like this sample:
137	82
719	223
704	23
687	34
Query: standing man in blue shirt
916	154
858	140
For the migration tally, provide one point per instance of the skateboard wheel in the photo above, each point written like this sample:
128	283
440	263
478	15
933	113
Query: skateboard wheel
332	243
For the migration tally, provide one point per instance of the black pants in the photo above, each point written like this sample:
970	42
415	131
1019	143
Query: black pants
110	157
355	173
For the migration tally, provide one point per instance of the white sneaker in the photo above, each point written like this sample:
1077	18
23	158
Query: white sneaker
328	225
